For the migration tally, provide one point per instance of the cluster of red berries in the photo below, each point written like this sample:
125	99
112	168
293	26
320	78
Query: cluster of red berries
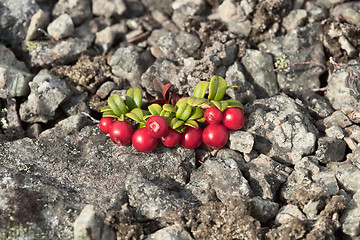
215	135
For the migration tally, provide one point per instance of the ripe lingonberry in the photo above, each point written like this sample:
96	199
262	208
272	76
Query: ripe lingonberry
172	138
234	118
191	137
157	126
215	136
105	123
143	141
121	132
213	115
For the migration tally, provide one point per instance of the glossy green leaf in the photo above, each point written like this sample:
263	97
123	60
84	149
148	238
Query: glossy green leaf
200	89
199	101
142	125
136	114
155	109
166	114
184	112
121	117
176	123
133	98
201	120
221	105
180	102
217	88
234	103
196	113
192	123
169	107
109	114
191	100
117	105
106	108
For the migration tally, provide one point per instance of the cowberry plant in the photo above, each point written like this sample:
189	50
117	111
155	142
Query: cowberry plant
179	120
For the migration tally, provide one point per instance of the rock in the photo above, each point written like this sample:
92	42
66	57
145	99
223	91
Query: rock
300	45
308	175
33	130
105	89
281	127
105	39
76	104
266	176
354	132
15	20
174	232
347	11
335	132
226	153
241	141
337	92
348	176
318	106
352	111
39	20
329	3
182	9
337	118
295	19
61	27
47	93
350	218
108	8
316	11
235	77
162	6
234	16
264	209
256	64
287	213
134	8
129	64
14	128
63	52
346	45
218	176
311	209
79	10
14	75
330	150
90	225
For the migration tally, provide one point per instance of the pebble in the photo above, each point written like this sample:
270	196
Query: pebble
295	19
241	141
39	20
108	8
78	10
61	27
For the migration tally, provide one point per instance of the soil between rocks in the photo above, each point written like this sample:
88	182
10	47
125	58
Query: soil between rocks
291	173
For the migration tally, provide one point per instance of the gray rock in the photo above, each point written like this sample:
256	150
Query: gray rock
281	127
329	3
337	118
15	20
105	89
241	141
226	153
162	6
14	128
79	10
127	63
76	104
61	27
353	132
182	9
173	232
63	52
311	209
108	8
300	45
295	19
346	45
256	63
287	213
347	11
235	77
105	38
318	106
348	176
337	92
266	176
47	93
134	8
350	218
330	150
335	132
90	225
39	20
316	11
14	75
33	130
352	111
234	16
264	209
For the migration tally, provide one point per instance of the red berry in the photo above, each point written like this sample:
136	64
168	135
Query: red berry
157	126
105	123
191	137
215	136
213	115
143	141
121	132
172	138
234	118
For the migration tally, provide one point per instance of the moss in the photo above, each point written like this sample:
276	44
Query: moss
32	45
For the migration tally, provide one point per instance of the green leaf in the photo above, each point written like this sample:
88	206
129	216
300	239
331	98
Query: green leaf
234	103
184	112
201	120
196	113
106	108
192	123
180	102
155	109
166	114
117	105
191	100
109	114
200	89
169	108
142	125
234	86
176	123
122	117
199	101
136	114
221	105
133	98
217	88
